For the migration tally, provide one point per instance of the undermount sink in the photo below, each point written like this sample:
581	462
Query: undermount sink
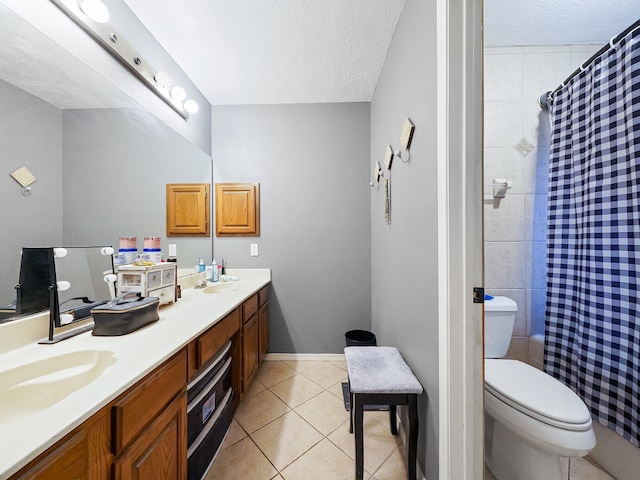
37	385
221	287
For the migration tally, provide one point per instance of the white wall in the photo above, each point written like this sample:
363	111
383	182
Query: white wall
312	164
404	280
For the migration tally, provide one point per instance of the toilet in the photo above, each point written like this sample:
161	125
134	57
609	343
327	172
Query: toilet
531	419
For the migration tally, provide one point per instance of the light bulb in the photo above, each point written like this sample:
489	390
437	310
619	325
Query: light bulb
191	106
95	10
178	93
162	78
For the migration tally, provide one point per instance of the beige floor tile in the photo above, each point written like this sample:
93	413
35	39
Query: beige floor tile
394	467
234	435
271	373
296	390
378	443
324	461
301	365
324	412
254	388
583	469
242	461
285	439
326	374
340	364
380	416
336	389
257	410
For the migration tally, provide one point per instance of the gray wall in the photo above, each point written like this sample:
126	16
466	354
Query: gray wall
312	165
404	282
116	165
30	136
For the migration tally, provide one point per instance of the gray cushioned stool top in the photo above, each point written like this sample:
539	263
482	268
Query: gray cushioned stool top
379	370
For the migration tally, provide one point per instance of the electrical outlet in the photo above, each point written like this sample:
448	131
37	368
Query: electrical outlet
254	249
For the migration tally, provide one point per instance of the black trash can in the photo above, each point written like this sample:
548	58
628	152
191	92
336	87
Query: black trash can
360	338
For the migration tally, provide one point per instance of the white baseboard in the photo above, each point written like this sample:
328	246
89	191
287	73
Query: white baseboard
318	357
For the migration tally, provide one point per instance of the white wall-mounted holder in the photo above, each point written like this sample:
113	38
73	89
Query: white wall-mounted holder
377	173
25	178
500	187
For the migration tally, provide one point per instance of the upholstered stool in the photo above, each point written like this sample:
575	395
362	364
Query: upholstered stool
380	376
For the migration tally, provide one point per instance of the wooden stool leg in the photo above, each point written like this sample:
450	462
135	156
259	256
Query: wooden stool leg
393	423
412	446
359	435
351	410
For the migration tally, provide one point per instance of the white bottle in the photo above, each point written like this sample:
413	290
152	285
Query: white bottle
214	274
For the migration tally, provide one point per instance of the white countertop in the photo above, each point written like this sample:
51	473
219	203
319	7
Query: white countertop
24	437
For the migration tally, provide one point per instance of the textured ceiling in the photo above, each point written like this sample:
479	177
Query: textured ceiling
556	22
276	51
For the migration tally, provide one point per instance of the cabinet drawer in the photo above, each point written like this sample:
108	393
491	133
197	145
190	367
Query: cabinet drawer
165	294
154	279
249	308
148	399
210	342
263	295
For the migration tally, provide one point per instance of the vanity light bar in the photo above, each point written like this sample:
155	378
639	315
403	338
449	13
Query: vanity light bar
110	40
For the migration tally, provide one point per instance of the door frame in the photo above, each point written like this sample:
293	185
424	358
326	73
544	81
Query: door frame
460	258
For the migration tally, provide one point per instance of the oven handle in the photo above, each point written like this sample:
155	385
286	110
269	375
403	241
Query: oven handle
210	424
210	367
207	390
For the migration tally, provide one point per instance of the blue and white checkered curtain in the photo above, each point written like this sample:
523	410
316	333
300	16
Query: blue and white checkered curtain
593	242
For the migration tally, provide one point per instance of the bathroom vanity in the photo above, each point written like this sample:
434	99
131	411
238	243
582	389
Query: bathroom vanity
127	417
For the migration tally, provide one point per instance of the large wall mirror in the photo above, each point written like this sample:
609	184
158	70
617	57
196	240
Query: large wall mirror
101	161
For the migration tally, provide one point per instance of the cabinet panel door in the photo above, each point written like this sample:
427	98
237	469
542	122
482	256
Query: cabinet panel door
160	452
188	209
67	462
238	209
250	350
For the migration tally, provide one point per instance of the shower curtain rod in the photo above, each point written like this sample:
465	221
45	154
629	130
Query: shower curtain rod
544	99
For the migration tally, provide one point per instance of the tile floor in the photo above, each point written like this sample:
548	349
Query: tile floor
292	425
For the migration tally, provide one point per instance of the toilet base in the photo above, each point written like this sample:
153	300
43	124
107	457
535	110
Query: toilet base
510	458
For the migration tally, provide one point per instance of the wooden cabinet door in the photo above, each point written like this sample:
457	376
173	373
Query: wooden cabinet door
188	209
160	452
263	321
238	209
250	350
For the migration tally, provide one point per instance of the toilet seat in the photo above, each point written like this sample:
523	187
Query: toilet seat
536	394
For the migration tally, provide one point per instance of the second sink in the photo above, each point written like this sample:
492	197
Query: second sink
221	287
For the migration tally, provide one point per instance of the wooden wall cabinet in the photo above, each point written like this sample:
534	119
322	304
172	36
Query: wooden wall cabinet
238	209
188	210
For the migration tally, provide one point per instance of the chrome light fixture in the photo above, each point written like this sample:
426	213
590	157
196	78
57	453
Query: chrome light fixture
93	17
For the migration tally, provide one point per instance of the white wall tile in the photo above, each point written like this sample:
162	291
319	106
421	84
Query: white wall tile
504	219
536	307
536	264
543	72
504	163
502	77
535	217
537	125
535	169
504	265
503	125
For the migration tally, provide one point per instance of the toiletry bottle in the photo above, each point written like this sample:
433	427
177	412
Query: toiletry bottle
201	266
214	273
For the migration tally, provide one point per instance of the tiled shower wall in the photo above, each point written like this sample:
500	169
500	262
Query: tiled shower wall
516	148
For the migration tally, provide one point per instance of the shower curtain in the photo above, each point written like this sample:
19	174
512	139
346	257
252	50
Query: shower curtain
592	333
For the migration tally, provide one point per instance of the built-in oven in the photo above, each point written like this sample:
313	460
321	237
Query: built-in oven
209	412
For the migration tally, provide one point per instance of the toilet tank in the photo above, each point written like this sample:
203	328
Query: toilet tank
499	318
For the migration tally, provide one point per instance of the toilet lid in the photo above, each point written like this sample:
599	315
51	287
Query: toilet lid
535	393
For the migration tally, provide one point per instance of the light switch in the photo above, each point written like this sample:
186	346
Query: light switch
254	249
